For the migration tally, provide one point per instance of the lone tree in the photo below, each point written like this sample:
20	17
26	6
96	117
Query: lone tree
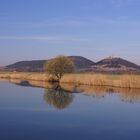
59	66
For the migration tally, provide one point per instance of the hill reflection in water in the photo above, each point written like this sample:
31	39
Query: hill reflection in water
55	95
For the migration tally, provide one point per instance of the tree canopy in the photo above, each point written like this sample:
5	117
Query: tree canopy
59	66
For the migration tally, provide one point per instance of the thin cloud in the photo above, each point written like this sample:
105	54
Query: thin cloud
42	38
120	3
74	22
91	21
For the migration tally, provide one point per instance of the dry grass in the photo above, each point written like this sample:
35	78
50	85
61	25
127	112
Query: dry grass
24	76
122	81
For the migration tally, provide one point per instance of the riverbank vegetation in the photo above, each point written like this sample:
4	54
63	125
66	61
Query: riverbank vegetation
91	79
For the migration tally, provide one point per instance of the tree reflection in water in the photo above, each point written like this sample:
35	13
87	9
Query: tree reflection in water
58	97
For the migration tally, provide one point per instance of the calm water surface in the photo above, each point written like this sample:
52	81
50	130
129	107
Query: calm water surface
68	113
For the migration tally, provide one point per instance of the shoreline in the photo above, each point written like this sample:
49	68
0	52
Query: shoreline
126	94
119	81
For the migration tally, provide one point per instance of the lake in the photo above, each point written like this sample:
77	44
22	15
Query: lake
67	112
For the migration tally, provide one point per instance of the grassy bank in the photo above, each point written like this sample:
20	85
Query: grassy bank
122	81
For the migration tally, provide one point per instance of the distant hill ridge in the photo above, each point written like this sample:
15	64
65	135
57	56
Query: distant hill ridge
81	64
116	62
37	65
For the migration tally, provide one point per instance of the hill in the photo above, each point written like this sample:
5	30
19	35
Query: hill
110	64
37	65
116	65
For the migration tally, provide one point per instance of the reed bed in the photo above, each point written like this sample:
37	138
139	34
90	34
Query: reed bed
121	81
25	76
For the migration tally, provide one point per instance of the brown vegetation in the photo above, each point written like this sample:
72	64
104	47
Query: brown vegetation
122	81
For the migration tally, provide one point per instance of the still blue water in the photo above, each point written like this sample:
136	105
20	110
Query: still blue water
31	113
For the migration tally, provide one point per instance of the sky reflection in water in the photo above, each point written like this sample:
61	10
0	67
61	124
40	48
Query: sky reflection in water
67	112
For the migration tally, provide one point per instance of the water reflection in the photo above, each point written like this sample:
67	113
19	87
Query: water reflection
125	94
54	92
58	97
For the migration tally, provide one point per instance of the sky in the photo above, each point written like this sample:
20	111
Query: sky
95	29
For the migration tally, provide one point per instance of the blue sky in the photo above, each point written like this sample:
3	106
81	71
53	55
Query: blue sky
40	29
